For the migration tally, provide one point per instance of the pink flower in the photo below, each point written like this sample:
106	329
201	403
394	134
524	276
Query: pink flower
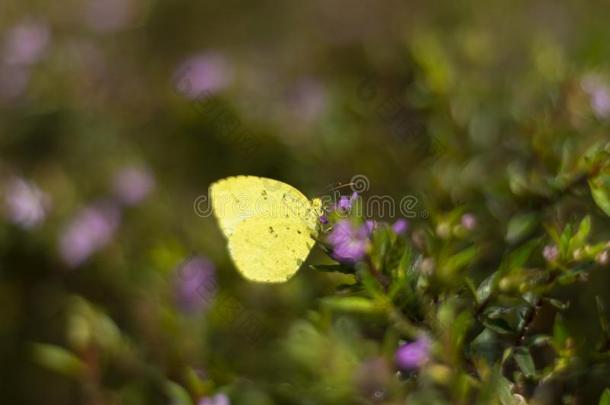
133	184
26	43
203	75
469	221
89	231
26	204
599	93
550	253
195	284
218	399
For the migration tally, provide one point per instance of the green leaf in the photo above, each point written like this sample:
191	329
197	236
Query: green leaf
460	260
58	359
560	332
580	237
471	288
381	246
600	191
406	261
177	394
404	277
353	304
504	391
538	340
605	398
495	312
486	287
519	257
571	277
564	240
525	362
498	325
520	226
603	317
557	303
332	268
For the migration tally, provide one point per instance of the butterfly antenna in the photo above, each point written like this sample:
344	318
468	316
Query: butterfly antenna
335	187
342	186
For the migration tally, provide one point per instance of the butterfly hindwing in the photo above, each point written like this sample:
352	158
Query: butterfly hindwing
270	250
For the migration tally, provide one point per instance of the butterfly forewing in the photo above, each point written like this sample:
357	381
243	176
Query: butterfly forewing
235	199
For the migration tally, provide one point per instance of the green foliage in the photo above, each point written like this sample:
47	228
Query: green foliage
486	123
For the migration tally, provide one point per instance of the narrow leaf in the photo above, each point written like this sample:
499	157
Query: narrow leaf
332	268
560	332
353	304
58	359
520	226
498	325
177	394
603	317
525	362
601	193
486	287
579	239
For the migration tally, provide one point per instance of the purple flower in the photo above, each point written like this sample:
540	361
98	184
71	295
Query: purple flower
26	43
202	75
218	399
412	356
400	226
550	253
26	204
195	284
133	184
469	221
598	91
107	16
89	231
345	203
323	219
349	243
600	102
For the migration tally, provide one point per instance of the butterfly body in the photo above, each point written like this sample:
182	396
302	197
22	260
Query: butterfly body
270	226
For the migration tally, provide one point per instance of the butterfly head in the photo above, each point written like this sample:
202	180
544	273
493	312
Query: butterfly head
316	204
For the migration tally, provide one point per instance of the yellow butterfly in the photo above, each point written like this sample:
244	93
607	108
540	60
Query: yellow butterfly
271	226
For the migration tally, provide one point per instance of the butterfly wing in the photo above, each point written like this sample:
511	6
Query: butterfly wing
235	199
270	225
270	250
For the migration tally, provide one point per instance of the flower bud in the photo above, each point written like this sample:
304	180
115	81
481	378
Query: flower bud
550	253
469	221
443	230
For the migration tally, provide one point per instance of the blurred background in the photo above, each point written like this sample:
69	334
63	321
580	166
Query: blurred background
116	115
